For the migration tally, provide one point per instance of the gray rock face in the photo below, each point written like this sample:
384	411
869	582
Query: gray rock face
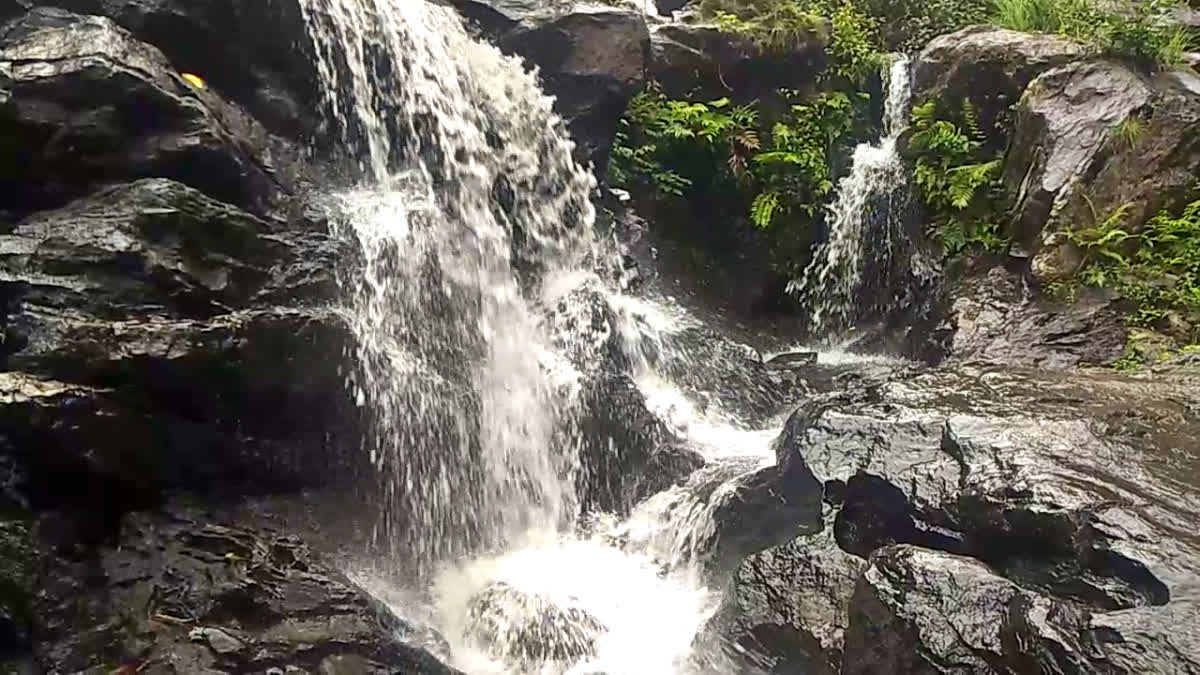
786	610
917	611
84	102
1066	117
1070	168
990	67
183	593
1038	509
592	57
995	316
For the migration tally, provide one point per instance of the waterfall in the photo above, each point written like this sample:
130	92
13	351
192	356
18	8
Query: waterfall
480	310
865	225
471	185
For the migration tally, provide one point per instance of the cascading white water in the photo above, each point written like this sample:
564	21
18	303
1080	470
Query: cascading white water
448	346
863	232
472	338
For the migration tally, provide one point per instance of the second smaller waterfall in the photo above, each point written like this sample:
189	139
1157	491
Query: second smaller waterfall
865	224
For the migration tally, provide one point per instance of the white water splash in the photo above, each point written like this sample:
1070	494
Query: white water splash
860	238
474	228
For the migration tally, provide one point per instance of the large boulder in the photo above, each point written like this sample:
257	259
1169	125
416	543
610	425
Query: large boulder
83	103
994	314
990	67
919	611
699	61
186	592
1066	116
1095	140
272	73
591	57
1026	492
176	314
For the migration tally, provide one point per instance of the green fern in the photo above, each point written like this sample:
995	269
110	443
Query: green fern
764	208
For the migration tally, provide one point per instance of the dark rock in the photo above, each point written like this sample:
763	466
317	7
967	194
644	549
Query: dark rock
86	103
995	316
167	407
619	437
666	7
529	631
150	246
1057	483
180	593
785	610
990	67
700	62
671	464
920	611
792	360
272	73
764	509
592	59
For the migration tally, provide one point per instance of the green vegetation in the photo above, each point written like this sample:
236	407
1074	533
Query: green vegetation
681	147
775	161
955	180
1158	267
775	26
908	25
1136	31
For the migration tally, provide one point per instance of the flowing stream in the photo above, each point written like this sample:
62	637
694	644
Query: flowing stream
472	309
865	225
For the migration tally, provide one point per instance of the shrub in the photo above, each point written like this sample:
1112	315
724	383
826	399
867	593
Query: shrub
1137	32
685	147
1158	268
954	180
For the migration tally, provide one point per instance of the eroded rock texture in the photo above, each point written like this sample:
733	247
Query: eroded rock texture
1006	520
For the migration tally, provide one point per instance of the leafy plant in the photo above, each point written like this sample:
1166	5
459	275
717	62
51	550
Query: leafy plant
1158	267
953	179
1130	131
1135	31
682	148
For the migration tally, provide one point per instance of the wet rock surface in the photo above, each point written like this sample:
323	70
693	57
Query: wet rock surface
994	315
990	67
1024	509
182	592
86	103
528	631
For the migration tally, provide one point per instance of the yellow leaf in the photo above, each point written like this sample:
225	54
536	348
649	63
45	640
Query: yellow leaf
194	80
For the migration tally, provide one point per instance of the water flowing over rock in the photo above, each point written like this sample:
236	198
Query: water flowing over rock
591	57
861	268
448	345
529	632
